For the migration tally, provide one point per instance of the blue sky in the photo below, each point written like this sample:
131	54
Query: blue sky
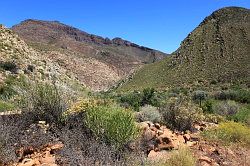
159	24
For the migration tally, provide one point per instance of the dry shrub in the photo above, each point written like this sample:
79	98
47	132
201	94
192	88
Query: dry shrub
178	115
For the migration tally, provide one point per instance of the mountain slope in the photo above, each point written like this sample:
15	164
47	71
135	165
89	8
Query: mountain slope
97	62
17	58
218	50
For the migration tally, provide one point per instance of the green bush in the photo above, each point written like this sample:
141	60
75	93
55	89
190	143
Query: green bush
137	99
132	99
243	115
149	113
44	101
148	97
199	96
113	124
230	132
5	106
9	66
7	88
207	106
239	95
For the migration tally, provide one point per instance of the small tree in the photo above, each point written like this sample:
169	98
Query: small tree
199	95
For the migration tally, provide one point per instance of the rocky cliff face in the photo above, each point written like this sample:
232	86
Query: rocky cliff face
97	62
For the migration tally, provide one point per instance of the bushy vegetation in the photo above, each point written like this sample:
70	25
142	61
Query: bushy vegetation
182	157
226	108
112	123
149	113
93	131
199	96
243	115
5	106
9	66
230	132
7	89
178	115
137	99
239	95
44	102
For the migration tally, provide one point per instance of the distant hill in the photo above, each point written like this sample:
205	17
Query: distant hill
218	50
96	61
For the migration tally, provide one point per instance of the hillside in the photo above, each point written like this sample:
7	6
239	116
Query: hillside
17	58
97	62
217	51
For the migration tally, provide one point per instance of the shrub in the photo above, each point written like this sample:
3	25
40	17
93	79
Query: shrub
230	132
136	99
207	107
81	148
149	113
243	115
180	116
113	124
239	95
148	97
5	106
9	66
7	89
214	118
182	157
199	96
226	108
133	100
44	101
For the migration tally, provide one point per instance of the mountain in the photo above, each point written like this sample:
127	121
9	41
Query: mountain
96	61
217	51
17	58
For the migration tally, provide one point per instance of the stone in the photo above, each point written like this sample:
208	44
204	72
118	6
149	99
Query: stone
149	135
29	162
163	146
57	146
204	163
48	160
206	159
157	125
143	125
150	124
158	156
186	137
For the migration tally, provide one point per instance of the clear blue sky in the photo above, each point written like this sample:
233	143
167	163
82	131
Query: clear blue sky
159	24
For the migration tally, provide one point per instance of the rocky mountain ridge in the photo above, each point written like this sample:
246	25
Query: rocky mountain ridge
96	61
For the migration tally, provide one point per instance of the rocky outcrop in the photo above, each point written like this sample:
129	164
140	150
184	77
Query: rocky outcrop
158	138
39	157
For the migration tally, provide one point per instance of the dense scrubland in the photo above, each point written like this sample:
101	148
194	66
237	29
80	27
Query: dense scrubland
103	128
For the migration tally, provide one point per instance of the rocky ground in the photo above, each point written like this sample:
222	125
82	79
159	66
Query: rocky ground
159	141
